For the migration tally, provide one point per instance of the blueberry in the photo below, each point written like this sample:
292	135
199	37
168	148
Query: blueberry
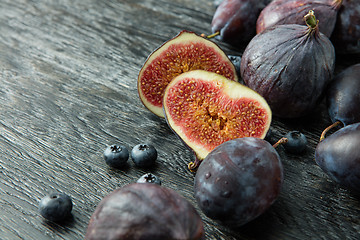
116	156
55	206
149	178
236	60
296	142
144	155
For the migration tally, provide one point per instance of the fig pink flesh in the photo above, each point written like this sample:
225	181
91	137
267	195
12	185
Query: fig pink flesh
179	58
210	117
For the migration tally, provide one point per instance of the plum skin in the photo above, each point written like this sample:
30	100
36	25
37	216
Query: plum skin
144	211
238	181
338	155
343	96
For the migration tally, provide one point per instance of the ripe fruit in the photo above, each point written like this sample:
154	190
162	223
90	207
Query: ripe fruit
235	20
145	211
144	155
55	206
236	60
343	96
296	142
290	66
339	156
116	155
346	35
187	51
149	178
292	11
205	109
238	181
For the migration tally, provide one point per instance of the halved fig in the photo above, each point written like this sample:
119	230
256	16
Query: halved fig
187	51
206	109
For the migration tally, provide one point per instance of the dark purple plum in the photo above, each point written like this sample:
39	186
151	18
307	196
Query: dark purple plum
343	96
338	155
292	12
145	211
238	181
290	65
346	35
235	20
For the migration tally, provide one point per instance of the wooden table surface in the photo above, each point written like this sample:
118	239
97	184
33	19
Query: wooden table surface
68	73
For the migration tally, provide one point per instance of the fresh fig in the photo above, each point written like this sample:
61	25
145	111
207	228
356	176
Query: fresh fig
338	155
145	211
238	181
187	51
290	66
206	109
346	35
292	12
343	96
235	20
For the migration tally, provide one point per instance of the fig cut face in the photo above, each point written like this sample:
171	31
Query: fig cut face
187	51
206	109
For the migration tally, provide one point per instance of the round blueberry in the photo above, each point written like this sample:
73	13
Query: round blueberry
149	178
236	60
296	142
144	155
116	156
55	206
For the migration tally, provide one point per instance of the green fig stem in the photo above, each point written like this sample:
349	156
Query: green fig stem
311	20
211	35
326	130
280	141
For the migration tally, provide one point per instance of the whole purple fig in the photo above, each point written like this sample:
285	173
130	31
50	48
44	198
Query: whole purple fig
144	211
290	66
292	12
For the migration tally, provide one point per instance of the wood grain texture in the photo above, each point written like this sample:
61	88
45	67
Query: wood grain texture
68	73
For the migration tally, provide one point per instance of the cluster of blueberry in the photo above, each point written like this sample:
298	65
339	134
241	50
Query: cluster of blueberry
57	206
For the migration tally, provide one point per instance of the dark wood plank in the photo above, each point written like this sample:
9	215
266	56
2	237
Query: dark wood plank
68	72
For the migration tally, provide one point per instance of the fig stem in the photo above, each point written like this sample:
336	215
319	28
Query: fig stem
211	35
281	141
192	166
311	20
322	137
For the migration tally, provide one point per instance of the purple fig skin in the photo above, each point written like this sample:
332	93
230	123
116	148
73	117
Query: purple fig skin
144	211
236	20
338	155
290	66
343	96
293	11
238	181
346	35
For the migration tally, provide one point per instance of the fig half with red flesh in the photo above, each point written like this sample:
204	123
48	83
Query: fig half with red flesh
187	51
206	109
